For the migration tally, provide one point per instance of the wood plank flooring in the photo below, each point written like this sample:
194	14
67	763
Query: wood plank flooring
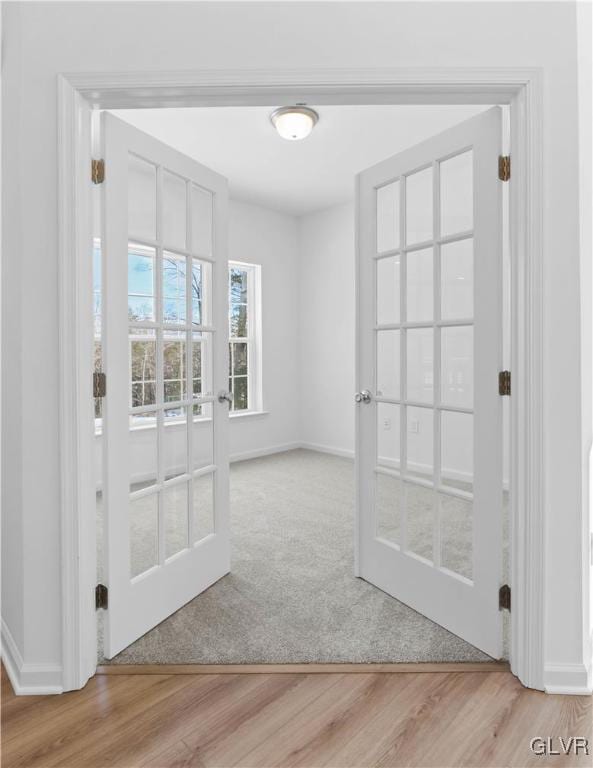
370	718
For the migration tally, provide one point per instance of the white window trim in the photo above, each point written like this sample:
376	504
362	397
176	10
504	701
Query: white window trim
253	340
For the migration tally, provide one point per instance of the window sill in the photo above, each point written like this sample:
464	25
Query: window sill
247	414
152	424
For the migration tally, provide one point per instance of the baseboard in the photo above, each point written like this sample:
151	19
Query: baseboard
344	452
28	679
258	452
569	679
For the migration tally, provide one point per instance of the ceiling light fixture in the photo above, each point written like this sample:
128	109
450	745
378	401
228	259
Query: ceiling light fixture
294	123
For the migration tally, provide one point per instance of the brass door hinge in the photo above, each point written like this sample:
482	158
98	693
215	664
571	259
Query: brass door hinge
504	598
101	597
504	383
99	384
98	171
504	167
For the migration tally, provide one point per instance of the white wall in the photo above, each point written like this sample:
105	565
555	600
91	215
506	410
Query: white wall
327	329
44	39
270	239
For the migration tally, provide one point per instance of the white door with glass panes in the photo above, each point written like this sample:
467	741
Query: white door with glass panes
429	415
165	354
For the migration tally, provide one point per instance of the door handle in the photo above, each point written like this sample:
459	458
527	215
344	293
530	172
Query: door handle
363	397
225	396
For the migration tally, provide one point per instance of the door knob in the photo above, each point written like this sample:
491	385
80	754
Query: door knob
228	396
363	397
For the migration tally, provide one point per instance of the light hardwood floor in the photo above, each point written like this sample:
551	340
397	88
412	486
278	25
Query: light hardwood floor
441	719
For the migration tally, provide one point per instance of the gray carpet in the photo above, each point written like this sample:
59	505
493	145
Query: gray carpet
291	596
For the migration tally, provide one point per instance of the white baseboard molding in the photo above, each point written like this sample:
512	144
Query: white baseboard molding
346	453
257	452
568	679
28	679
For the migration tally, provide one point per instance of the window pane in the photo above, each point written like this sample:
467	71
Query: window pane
388	364
203	506
457	194
174	210
456	535
457	280
174	367
196	292
176	518
457	453
174	288
142	452
144	536
419	503
388	436
203	438
419	206
201	364
388	217
141	199
238	321
239	359
457	366
175	443
240	393
201	215
420	438
420	365
388	299
238	286
140	282
142	368
420	295
388	507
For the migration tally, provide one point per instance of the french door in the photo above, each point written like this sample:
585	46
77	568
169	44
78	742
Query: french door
429	418
165	337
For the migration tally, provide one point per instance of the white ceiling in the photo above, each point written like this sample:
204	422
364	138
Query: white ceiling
301	176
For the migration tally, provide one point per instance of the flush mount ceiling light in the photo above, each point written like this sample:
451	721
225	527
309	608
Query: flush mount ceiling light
294	123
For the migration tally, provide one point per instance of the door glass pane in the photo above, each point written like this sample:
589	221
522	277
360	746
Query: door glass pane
144	534
176	518
203	506
203	437
420	438
457	366
419	503
175	443
141	199
388	299
420	384
201	365
388	364
201	221
142	370
419	206
141	260
388	436
174	210
142	454
457	194
388	503
174	289
174	367
457	280
419	294
457	450
201	282
456	535
388	217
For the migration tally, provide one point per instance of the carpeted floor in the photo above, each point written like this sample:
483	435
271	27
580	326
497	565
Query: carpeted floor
291	596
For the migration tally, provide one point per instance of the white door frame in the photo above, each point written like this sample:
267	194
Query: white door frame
78	93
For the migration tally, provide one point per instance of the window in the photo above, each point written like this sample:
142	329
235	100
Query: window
244	333
244	322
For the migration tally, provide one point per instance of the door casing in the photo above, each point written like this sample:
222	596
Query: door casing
80	93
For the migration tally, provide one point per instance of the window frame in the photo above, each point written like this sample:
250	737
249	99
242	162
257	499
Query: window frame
253	340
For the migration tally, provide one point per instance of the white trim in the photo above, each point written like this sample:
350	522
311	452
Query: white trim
522	88
258	452
28	679
569	679
346	453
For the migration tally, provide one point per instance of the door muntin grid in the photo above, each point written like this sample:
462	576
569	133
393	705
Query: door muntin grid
170	293
423	355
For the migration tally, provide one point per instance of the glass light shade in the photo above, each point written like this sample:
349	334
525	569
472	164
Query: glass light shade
294	123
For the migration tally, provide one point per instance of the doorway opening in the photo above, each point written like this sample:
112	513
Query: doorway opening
291	595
